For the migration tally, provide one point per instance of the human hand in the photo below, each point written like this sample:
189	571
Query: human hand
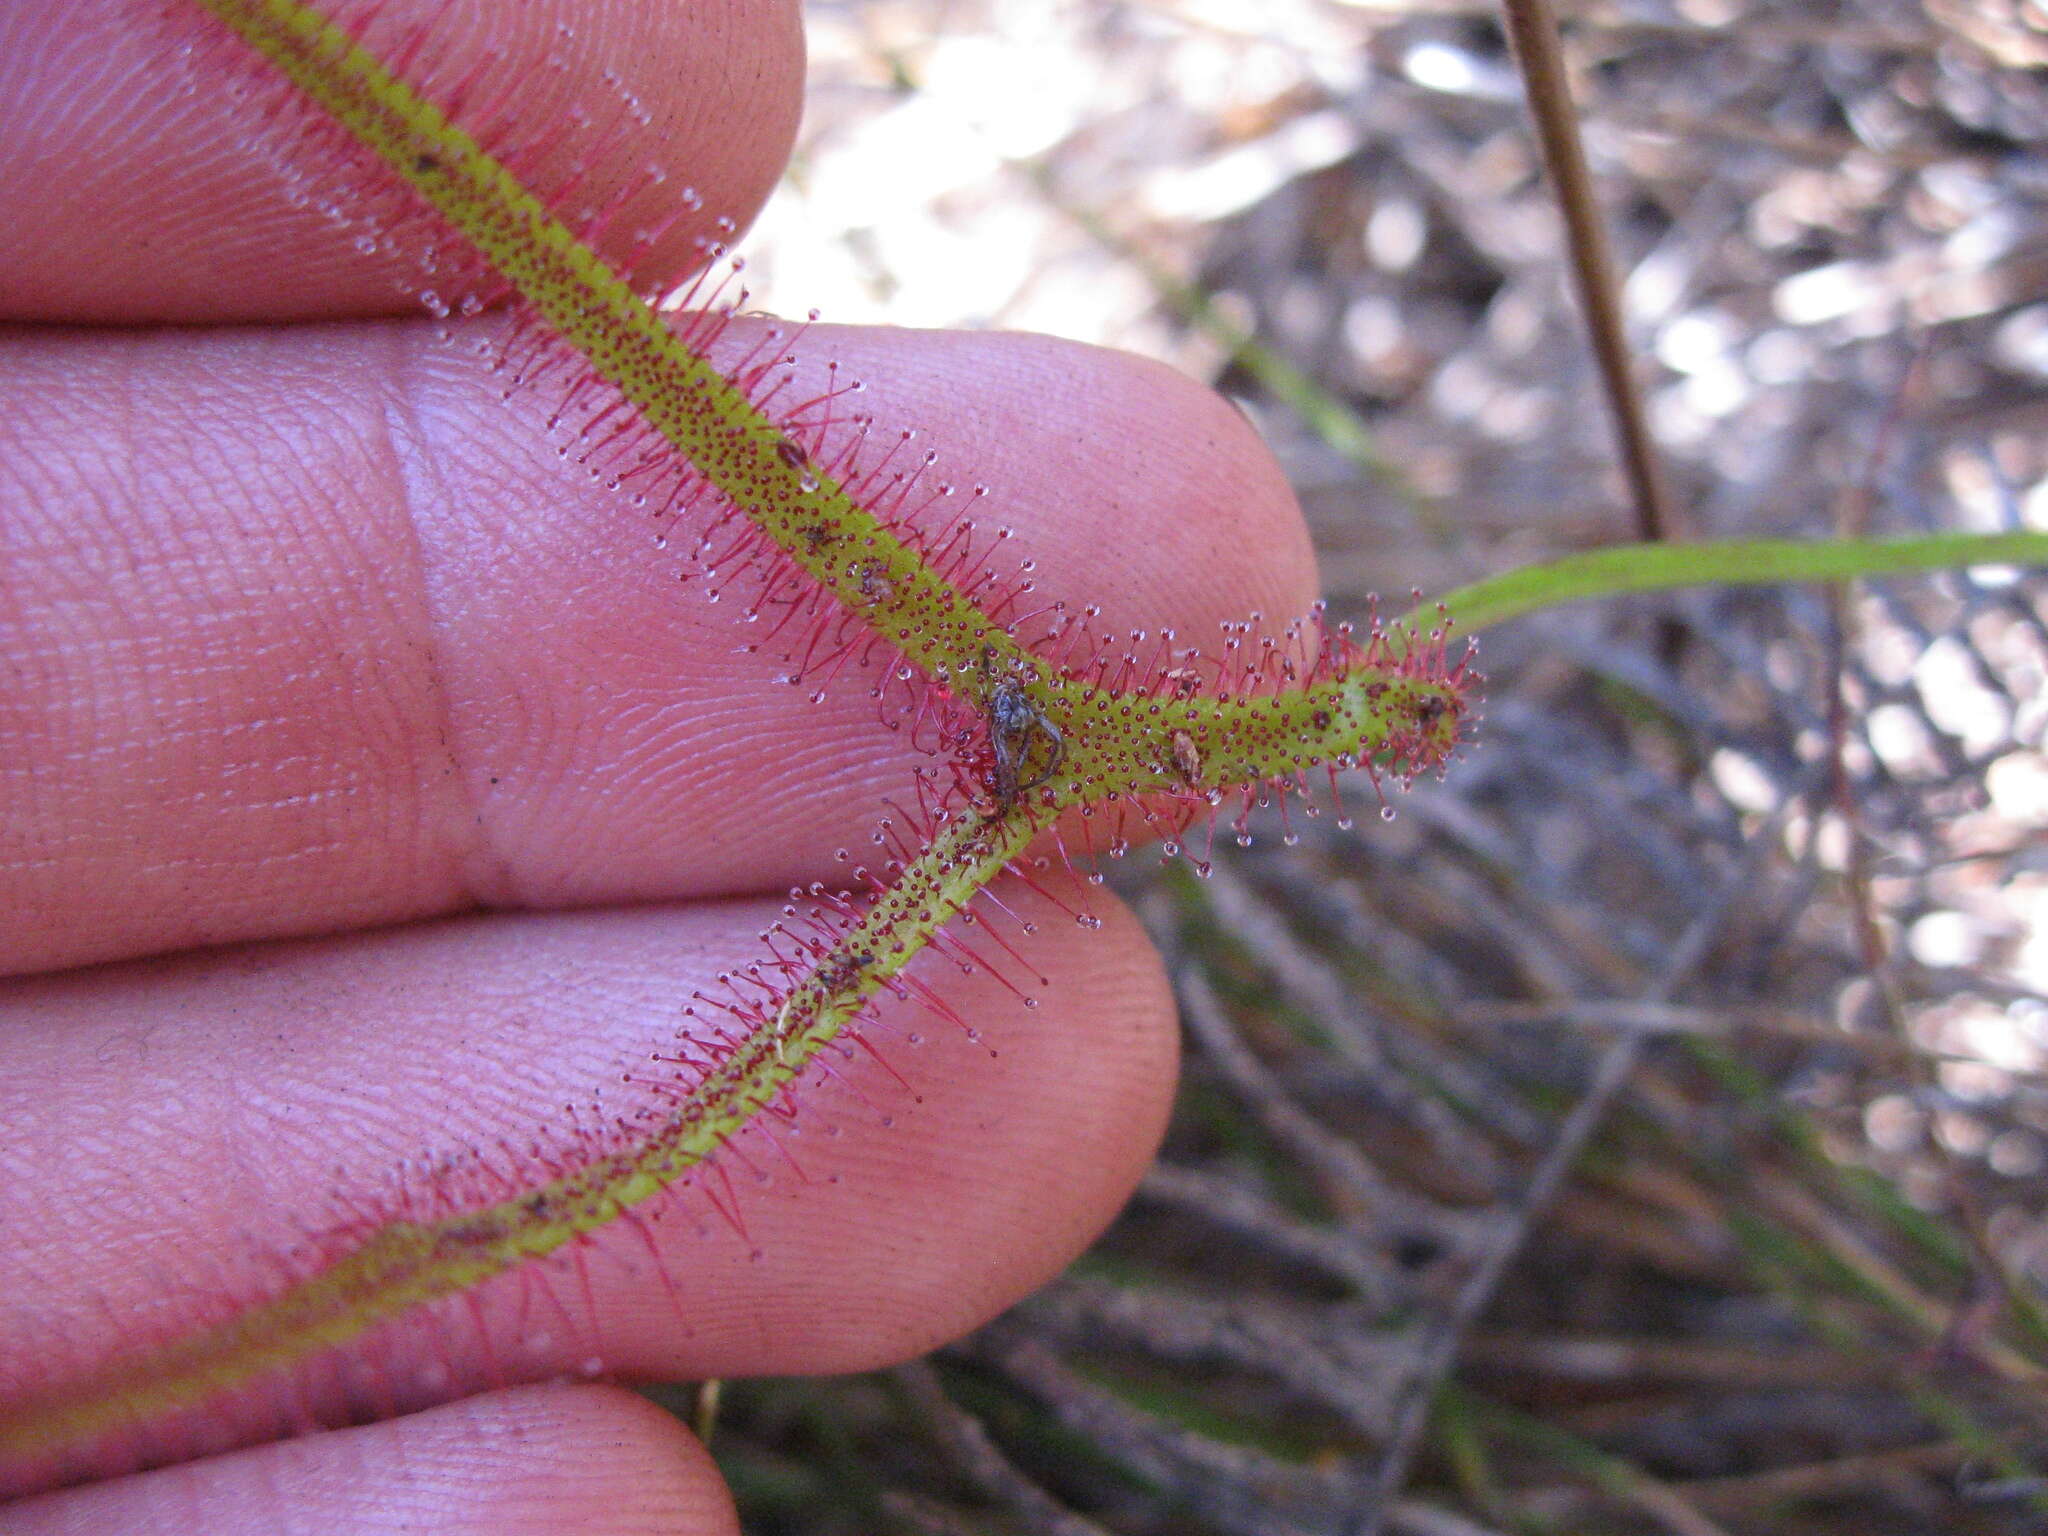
369	791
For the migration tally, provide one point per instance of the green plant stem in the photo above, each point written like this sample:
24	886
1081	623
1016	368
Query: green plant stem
1624	568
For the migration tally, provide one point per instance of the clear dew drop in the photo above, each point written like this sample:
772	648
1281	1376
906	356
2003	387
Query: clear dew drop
1095	877
1386	813
1345	823
1290	839
1244	839
1087	920
1030	1002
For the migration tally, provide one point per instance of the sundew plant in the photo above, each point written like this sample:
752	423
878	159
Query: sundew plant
835	544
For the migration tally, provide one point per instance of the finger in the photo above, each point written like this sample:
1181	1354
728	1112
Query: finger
309	631
590	1459
130	191
177	1127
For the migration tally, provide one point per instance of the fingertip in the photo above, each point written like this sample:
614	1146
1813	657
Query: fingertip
915	1182
597	1460
132	197
1145	493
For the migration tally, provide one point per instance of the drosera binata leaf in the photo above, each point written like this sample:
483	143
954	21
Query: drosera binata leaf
1034	714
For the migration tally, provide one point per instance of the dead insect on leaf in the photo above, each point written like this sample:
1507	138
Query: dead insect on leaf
1013	723
873	580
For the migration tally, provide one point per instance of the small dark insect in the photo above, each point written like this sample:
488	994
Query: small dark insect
789	453
842	970
1013	720
1187	760
875	585
832	975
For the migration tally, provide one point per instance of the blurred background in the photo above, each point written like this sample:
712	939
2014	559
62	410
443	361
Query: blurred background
1647	1130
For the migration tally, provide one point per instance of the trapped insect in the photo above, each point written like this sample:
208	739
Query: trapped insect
1013	721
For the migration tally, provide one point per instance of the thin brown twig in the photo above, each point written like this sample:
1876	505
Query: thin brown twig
1532	31
1614	1361
1336	1251
967	1444
1843	1474
1413	1517
1799	1208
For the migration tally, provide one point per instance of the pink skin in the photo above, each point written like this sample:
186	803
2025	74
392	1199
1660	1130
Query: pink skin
314	645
